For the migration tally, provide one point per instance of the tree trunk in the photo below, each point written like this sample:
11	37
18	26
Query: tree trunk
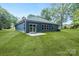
61	24
62	15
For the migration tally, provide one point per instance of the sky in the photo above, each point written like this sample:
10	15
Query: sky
24	9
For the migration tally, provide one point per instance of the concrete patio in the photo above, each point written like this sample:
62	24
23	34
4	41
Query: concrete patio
36	34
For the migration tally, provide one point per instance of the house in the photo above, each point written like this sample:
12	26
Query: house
35	24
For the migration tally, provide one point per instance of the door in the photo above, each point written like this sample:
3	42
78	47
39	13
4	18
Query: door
32	28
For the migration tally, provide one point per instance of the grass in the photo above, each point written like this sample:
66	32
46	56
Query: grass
62	43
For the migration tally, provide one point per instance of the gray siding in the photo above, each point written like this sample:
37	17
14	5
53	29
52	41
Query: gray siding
51	27
20	27
24	26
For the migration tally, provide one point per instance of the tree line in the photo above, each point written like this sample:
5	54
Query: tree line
62	12
57	13
6	19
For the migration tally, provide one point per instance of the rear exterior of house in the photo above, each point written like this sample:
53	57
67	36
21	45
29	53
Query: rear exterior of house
32	25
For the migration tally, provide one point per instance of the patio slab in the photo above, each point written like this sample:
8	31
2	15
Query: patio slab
36	34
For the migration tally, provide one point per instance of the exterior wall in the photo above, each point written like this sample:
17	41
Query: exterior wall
24	26
20	27
51	27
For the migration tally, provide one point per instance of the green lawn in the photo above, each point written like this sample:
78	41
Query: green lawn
65	42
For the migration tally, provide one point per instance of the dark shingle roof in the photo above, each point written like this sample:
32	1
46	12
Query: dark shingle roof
38	19
35	19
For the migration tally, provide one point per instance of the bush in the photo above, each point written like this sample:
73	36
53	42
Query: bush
75	26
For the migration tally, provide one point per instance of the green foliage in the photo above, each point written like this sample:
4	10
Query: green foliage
45	13
6	19
76	17
58	13
74	7
61	12
65	12
30	15
75	10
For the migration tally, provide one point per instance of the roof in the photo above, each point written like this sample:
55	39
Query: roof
38	19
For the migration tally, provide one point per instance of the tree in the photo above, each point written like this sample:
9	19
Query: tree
45	13
76	17
6	19
75	10
63	13
58	13
31	15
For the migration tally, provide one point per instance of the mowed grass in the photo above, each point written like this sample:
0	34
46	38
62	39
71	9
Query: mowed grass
14	43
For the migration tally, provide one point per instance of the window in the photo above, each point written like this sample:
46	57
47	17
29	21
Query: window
44	26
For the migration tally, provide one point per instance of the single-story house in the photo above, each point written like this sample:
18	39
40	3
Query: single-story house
36	24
